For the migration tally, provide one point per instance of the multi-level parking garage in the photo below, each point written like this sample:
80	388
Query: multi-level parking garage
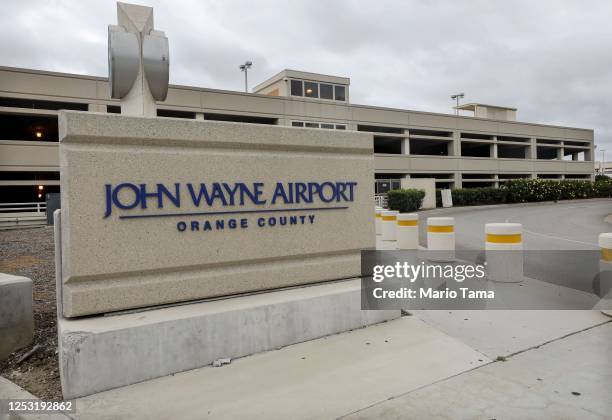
486	149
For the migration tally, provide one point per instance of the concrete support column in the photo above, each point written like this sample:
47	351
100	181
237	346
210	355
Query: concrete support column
560	152
457	180
406	144
456	144
533	149
199	116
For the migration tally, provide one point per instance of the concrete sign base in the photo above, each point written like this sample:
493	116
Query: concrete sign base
101	353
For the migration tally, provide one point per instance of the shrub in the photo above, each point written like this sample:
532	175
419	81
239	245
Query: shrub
602	187
527	190
405	201
478	196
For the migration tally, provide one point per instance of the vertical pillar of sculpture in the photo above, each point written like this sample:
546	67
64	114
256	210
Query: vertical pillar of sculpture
138	61
138	20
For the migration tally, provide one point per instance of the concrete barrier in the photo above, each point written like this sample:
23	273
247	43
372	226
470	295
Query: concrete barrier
407	231
389	219
378	221
504	252
16	318
605	268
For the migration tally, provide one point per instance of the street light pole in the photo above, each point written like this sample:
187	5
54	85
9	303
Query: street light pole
245	68
456	97
603	159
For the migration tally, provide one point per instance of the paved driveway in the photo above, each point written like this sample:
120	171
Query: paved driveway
571	225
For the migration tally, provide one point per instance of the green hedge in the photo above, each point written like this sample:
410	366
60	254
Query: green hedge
405	201
530	190
478	196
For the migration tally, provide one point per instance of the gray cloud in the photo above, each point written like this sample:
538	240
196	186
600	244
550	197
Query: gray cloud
551	59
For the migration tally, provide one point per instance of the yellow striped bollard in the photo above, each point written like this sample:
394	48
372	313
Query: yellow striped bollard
504	252
378	221
441	238
389	218
407	231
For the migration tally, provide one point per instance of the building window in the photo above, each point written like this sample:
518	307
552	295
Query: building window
296	88
316	124
311	89
339	91
327	91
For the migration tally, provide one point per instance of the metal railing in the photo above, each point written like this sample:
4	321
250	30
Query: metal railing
381	200
15	215
38	207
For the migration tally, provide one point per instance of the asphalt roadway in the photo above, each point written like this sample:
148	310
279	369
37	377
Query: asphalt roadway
559	239
565	225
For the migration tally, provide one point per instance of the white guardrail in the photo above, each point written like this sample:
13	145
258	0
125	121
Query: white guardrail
381	200
17	215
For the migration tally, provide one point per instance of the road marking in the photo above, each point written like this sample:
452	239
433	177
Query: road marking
560	239
554	237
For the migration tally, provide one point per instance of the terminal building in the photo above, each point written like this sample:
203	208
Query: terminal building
486	148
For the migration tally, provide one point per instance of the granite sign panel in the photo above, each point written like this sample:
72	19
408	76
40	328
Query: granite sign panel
161	210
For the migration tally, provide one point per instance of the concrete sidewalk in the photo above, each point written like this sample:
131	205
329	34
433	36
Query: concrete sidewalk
374	373
320	379
568	378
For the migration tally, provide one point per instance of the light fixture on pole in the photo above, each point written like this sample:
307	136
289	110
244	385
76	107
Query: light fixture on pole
456	98
245	68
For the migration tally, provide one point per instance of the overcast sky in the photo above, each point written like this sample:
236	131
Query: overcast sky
550	59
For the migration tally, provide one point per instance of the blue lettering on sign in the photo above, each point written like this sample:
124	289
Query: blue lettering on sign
128	196
220	206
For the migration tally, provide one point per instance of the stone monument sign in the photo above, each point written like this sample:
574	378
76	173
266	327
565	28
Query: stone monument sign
160	210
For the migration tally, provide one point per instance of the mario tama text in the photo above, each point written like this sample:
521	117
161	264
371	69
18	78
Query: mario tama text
228	206
387	280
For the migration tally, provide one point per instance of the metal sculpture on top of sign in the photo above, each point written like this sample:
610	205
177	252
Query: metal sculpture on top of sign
138	61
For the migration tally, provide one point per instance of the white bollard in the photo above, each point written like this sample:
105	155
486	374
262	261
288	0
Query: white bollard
378	221
389	218
605	268
504	252
407	231
441	238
